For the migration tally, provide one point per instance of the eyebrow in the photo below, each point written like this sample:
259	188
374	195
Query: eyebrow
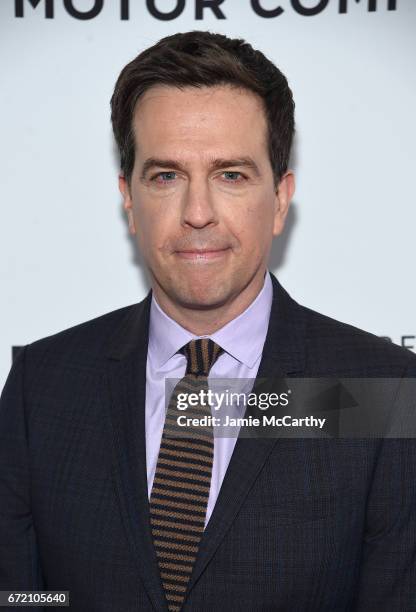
216	164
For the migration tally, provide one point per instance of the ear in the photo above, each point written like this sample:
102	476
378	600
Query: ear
127	201
284	194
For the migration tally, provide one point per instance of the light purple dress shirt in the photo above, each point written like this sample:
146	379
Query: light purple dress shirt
242	340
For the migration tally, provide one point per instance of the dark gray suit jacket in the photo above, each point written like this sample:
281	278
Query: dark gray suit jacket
311	525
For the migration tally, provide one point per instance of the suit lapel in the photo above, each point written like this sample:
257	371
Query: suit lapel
283	355
127	385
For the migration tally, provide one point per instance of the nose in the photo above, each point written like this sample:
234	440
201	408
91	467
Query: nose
198	207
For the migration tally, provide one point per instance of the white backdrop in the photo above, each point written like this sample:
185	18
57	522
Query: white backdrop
348	250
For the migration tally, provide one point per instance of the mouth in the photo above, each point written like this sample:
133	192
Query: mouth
202	255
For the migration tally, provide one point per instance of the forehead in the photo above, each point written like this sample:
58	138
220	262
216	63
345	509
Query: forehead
200	118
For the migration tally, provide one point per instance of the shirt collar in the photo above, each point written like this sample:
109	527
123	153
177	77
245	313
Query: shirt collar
243	337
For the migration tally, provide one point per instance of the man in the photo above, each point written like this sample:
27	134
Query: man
96	498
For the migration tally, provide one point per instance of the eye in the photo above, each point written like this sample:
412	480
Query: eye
233	177
164	177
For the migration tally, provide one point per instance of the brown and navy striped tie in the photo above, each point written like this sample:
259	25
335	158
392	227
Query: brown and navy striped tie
181	486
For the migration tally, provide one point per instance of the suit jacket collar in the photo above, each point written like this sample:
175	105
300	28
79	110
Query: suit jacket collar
285	348
285	340
283	354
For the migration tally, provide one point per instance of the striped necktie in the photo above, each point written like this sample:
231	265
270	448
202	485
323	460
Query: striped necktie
179	497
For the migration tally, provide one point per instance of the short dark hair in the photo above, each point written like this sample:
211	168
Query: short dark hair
200	59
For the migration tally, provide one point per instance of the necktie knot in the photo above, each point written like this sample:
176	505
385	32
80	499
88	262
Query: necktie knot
201	355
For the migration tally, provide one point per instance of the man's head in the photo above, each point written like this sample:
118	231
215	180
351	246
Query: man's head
204	125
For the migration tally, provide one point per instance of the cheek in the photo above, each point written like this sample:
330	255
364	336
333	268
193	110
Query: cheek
254	224
154	226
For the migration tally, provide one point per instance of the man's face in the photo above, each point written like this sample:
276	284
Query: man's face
202	200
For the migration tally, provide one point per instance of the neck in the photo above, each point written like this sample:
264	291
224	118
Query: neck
201	322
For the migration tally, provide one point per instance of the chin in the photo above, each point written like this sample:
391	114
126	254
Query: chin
201	297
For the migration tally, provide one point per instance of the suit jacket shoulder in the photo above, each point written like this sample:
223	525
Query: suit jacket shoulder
301	339
332	346
91	340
